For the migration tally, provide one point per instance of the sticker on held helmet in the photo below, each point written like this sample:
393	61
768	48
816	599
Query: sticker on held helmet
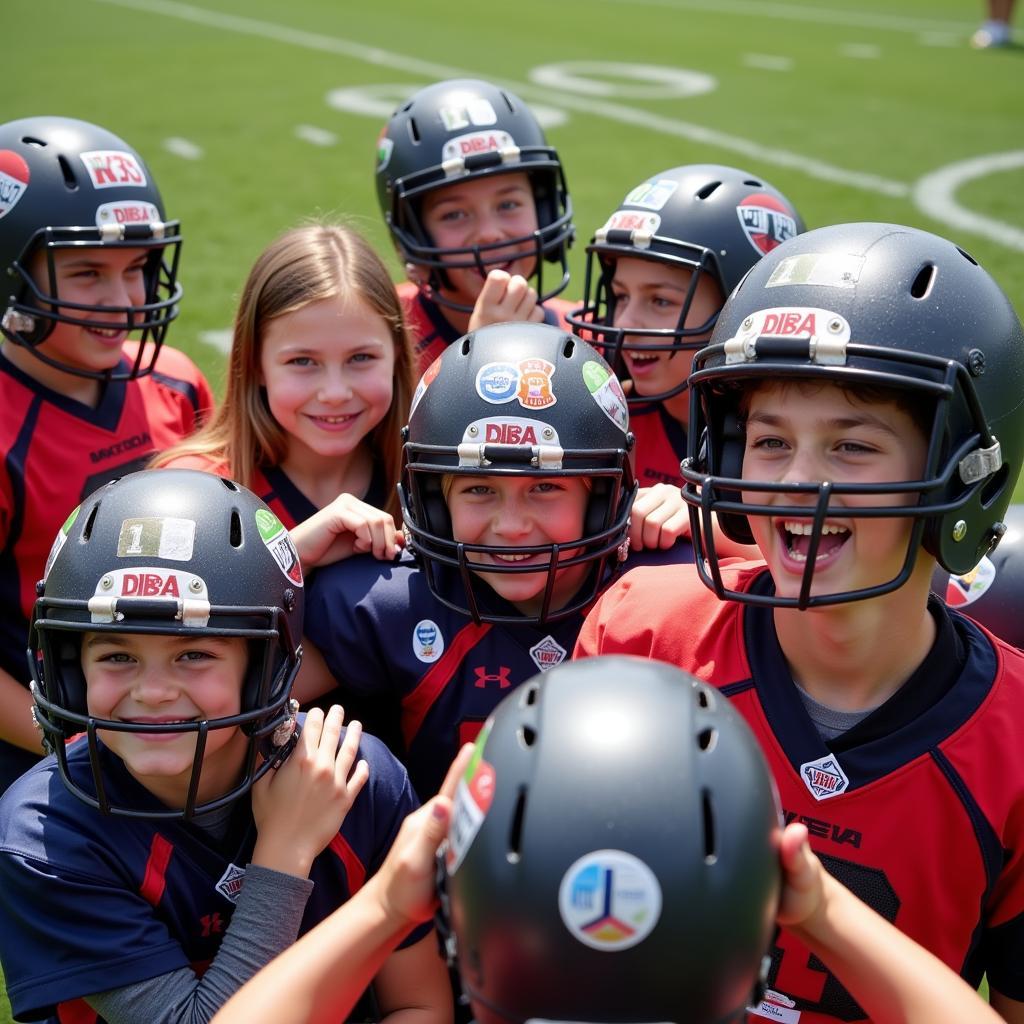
474	111
230	884
510	430
385	147
279	543
778	1007
766	221
113	168
152	582
652	195
427	641
59	541
429	375
548	653
155	537
966	589
473	796
497	383
475	143
609	900
824	778
126	212
14	178
535	391
830	269
605	389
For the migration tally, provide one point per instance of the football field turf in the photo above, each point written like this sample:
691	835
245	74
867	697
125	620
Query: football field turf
254	114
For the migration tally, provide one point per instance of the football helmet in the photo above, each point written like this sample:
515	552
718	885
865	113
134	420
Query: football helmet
173	552
461	130
67	184
874	306
612	852
711	220
517	399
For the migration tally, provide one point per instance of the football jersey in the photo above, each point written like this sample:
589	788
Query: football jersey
918	814
90	902
660	445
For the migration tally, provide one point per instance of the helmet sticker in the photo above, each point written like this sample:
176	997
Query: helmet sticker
14	178
833	270
609	900
642	226
510	430
476	111
385	146
652	195
535	391
548	653
463	146
429	374
112	168
427	641
127	212
794	322
59	541
279	543
605	389
473	797
497	383
966	589
152	582
824	778
766	221
157	538
776	1006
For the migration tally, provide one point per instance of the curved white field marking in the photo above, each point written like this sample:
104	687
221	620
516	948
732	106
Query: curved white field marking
767	62
861	51
183	148
934	194
586	77
315	136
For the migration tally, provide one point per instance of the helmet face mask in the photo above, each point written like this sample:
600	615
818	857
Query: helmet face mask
169	553
843	306
81	190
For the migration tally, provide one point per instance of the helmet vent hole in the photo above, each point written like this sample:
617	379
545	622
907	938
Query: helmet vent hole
229	484
414	132
87	529
467	344
70	181
31	140
708	810
754	183
923	282
527	735
530	697
967	256
508	102
707	738
235	530
515	833
568	348
704	699
709	189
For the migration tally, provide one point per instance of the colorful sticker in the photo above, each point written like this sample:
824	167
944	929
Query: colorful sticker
510	430
824	778
966	589
605	389
113	168
766	221
14	178
548	653
475	143
474	794
230	884
126	212
652	195
832	269
642	227
426	380
279	543
474	111
778	1007
59	541
154	537
609	900
497	383
535	391
385	147
427	641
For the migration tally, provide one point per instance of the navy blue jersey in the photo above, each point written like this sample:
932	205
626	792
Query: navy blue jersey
90	903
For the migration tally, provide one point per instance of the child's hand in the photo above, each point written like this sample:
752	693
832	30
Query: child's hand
803	882
505	297
299	807
659	517
347	526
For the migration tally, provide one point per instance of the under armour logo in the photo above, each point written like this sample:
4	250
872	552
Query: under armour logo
483	677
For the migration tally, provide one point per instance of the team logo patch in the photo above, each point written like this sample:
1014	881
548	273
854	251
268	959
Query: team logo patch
776	1006
548	653
605	389
475	111
14	178
473	797
824	778
279	543
428	378
652	195
833	270
474	143
766	222
427	641
154	537
535	391
966	589
59	541
609	900
230	884
497	383
642	227
508	430
112	168
126	212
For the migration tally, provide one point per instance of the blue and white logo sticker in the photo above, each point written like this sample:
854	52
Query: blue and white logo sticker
609	900
497	383
427	641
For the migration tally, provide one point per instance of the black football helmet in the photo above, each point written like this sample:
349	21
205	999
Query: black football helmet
458	130
612	852
872	306
517	399
173	552
706	218
67	184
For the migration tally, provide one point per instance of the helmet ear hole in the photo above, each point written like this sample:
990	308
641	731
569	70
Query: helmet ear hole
734	438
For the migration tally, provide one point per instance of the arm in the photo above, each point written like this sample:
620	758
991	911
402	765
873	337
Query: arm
347	526
1011	1010
412	985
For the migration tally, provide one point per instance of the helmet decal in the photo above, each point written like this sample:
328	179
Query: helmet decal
766	221
606	390
497	383
652	195
14	179
968	588
111	168
473	797
157	537
279	543
834	270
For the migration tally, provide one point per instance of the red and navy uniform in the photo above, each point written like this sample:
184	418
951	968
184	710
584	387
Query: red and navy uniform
90	903
660	445
431	332
927	828
57	451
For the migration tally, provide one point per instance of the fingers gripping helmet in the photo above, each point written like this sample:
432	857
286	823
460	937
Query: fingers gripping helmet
71	185
710	220
517	399
867	306
173	553
611	856
464	130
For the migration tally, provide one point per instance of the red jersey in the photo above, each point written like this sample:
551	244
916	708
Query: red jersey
917	809
660	445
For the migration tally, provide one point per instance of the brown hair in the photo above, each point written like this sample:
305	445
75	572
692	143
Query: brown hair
306	264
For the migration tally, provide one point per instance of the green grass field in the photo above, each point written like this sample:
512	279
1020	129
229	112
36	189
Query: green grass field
254	115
